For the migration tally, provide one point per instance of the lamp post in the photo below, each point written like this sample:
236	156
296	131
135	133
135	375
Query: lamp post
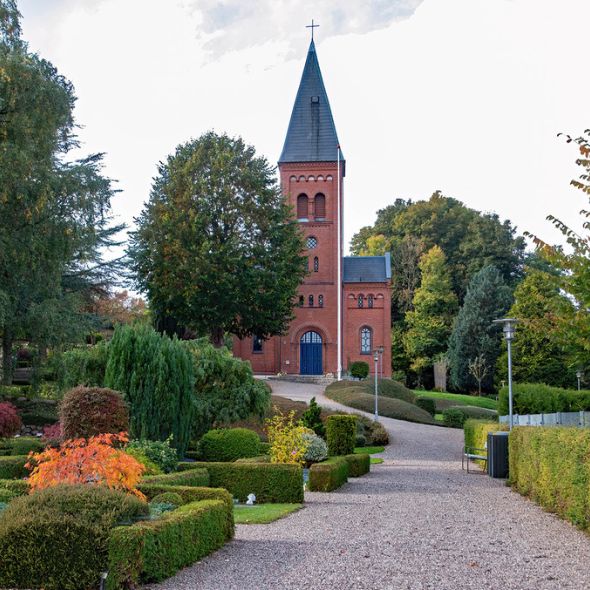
579	376
381	350
509	327
376	360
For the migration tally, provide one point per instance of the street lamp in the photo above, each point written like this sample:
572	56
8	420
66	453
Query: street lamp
509	327
376	359
579	376
381	350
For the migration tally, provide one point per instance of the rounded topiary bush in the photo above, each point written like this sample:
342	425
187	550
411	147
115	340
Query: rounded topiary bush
10	422
454	418
88	411
427	403
359	370
168	498
316	449
228	444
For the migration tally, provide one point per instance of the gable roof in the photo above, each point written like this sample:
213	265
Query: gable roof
367	269
311	136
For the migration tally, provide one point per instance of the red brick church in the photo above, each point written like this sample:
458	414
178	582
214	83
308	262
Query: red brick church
344	304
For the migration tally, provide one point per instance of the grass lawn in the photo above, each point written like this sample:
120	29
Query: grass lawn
263	513
368	450
461	400
376	460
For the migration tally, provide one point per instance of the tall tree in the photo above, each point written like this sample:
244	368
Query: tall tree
435	305
474	333
53	212
217	247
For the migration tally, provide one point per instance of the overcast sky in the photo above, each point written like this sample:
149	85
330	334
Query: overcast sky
462	96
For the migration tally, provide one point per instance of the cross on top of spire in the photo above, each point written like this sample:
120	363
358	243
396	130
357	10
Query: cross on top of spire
312	27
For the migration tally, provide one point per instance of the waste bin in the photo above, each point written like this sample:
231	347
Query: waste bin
498	454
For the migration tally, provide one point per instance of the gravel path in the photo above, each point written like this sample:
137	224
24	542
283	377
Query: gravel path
415	522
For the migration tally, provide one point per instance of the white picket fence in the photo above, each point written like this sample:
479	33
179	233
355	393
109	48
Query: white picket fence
581	419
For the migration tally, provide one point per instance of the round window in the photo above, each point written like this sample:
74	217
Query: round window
312	242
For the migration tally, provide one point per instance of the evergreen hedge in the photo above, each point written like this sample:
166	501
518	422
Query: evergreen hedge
551	465
427	404
191	477
269	482
359	464
228	444
19	486
328	475
454	417
13	467
341	434
475	432
537	398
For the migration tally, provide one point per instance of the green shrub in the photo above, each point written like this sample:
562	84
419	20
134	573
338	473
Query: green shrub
88	411
7	495
57	538
537	398
23	445
150	467
454	418
551	465
358	464
316	449
477	413
312	418
396	390
359	370
360	440
13	467
270	482
228	444
427	404
189	494
340	434
155	550
374	432
476	432
20	487
81	366
328	475
158	451
191	477
265	448
168	498
259	459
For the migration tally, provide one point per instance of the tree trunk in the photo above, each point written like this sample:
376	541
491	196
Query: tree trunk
7	358
216	337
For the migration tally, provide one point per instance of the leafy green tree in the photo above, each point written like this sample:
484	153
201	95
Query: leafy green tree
217	247
435	305
540	353
474	333
53	212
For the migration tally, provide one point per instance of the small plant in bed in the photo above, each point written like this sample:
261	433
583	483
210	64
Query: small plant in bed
263	513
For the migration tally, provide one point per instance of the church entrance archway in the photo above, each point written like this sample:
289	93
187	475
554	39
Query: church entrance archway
310	354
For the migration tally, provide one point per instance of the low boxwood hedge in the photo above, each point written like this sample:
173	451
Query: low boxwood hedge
551	465
328	475
192	477
269	482
13	467
151	551
538	398
358	465
19	486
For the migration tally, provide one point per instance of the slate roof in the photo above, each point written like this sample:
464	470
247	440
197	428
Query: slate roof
367	269
311	136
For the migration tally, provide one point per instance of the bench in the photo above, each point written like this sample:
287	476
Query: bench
475	454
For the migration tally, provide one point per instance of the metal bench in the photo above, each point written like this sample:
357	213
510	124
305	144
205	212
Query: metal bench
475	454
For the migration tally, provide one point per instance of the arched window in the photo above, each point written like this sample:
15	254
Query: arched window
310	300
370	301
360	301
256	343
301	300
321	300
366	340
316	264
320	207
302	202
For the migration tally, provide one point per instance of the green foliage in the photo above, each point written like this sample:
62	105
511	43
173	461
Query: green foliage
88	411
6	496
359	369
552	467
316	449
155	550
269	482
394	389
228	444
477	412
217	247
537	398
340	434
446	400
81	366
312	418
156	376
476	432
150	467
359	464
328	475
190	477
188	494
13	467
23	445
454	418
225	388
168	498
20	487
57	538
474	333
158	451
427	404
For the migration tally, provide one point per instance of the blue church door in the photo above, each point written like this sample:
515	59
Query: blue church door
310	347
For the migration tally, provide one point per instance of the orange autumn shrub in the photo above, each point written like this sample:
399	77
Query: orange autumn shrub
96	461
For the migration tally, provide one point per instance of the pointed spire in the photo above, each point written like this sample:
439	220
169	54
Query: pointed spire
311	136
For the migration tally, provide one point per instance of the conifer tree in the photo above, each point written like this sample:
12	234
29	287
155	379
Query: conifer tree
474	334
435	305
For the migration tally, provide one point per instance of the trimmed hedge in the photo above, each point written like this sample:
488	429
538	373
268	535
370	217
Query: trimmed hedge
192	477
537	398
359	369
427	404
228	444
19	486
454	418
23	445
551	465
358	465
476	412
154	550
328	475
476	433
341	434
269	482
13	467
